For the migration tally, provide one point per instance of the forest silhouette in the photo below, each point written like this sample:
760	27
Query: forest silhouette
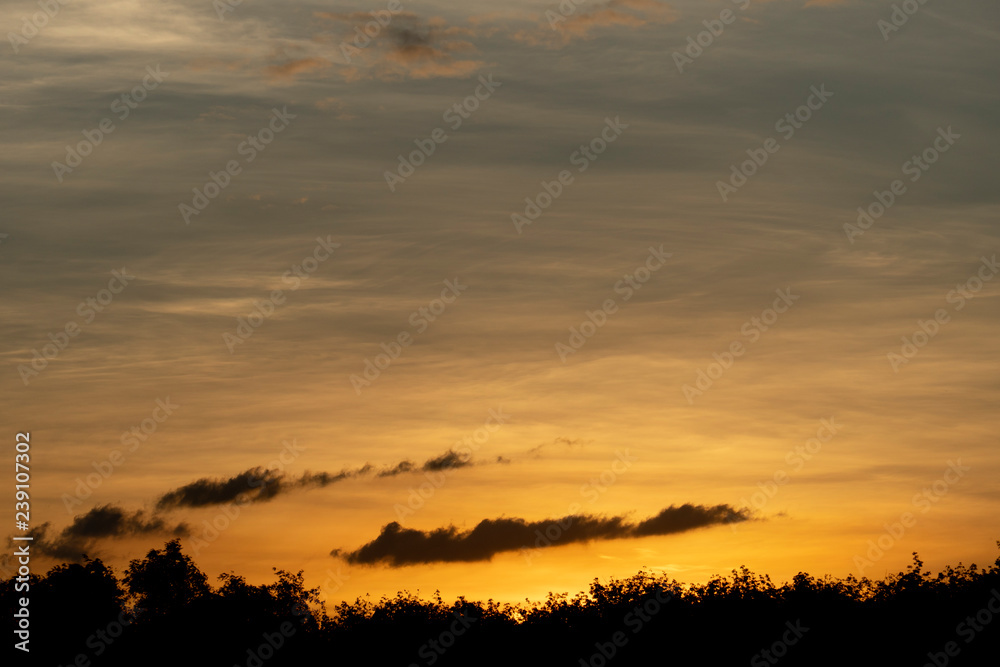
163	610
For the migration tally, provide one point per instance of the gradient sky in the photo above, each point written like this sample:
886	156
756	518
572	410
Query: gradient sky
899	426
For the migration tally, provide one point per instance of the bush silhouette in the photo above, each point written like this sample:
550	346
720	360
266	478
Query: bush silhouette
163	611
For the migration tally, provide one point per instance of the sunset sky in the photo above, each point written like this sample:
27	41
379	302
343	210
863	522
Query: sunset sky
615	248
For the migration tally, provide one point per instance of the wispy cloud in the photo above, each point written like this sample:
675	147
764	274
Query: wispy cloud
290	69
260	484
559	26
536	451
409	47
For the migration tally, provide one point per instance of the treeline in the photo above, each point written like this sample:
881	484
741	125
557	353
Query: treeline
163	611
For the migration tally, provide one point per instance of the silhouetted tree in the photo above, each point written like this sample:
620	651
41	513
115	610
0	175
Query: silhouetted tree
657	620
166	581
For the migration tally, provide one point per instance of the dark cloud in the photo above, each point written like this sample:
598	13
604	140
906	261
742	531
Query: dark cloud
409	47
447	461
321	479
687	517
397	546
259	484
256	484
398	469
409	38
104	522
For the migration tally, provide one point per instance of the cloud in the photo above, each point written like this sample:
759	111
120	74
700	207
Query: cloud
398	469
555	29
103	522
256	483
260	484
398	546
449	460
537	451
321	479
289	70
408	48
584	23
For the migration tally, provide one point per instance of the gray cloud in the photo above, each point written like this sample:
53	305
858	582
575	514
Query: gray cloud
100	523
256	483
398	546
261	485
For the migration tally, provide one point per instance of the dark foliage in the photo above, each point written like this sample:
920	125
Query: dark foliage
163	611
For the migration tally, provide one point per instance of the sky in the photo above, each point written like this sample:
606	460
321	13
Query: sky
496	301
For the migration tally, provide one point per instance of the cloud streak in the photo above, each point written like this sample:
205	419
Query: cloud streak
397	546
558	27
409	47
102	522
260	484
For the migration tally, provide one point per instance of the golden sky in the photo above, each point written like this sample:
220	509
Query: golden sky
628	267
